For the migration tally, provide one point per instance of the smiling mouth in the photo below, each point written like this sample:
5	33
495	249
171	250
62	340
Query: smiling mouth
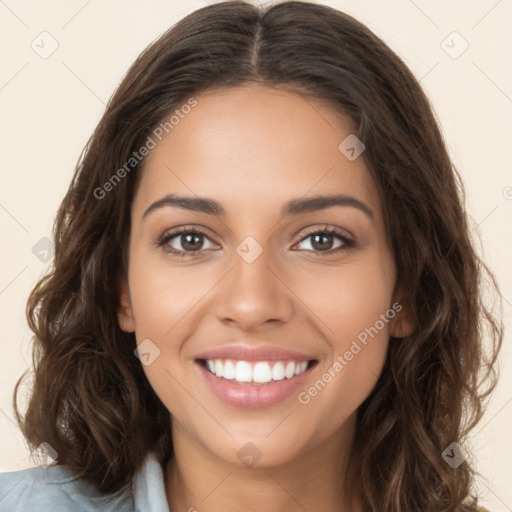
255	372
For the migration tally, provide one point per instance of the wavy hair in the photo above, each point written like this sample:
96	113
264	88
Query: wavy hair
90	399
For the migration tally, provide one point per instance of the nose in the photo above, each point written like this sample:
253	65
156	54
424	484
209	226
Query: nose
253	295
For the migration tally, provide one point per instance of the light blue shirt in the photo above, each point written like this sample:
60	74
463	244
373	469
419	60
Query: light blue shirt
55	489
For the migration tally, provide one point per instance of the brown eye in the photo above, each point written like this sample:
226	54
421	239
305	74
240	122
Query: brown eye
184	242
191	241
325	241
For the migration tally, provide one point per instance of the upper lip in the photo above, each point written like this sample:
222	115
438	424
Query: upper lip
261	353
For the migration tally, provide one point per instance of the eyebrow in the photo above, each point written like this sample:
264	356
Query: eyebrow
292	207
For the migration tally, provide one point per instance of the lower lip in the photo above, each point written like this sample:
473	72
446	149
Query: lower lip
253	396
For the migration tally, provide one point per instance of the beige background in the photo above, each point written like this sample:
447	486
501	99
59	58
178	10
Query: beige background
49	107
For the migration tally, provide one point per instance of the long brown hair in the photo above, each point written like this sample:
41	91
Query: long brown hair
91	401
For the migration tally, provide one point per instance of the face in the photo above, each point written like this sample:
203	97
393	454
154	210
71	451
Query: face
264	316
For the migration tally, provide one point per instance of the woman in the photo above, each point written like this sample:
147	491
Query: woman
264	294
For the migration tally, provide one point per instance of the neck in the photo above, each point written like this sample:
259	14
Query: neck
197	480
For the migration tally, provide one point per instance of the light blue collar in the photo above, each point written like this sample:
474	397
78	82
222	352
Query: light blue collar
149	488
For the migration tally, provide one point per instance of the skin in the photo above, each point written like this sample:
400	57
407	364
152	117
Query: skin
252	149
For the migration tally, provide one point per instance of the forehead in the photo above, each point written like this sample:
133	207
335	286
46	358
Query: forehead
254	145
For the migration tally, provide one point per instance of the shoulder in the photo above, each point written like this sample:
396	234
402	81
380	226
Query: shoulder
55	488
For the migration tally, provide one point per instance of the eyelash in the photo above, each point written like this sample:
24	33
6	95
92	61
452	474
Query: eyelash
348	243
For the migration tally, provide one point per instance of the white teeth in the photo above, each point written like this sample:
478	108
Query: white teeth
278	371
261	373
243	371
290	370
219	368
299	368
229	370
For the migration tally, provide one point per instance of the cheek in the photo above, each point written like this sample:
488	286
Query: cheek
163	300
163	296
350	299
166	300
354	305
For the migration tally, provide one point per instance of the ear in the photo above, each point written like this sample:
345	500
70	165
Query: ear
124	312
403	323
